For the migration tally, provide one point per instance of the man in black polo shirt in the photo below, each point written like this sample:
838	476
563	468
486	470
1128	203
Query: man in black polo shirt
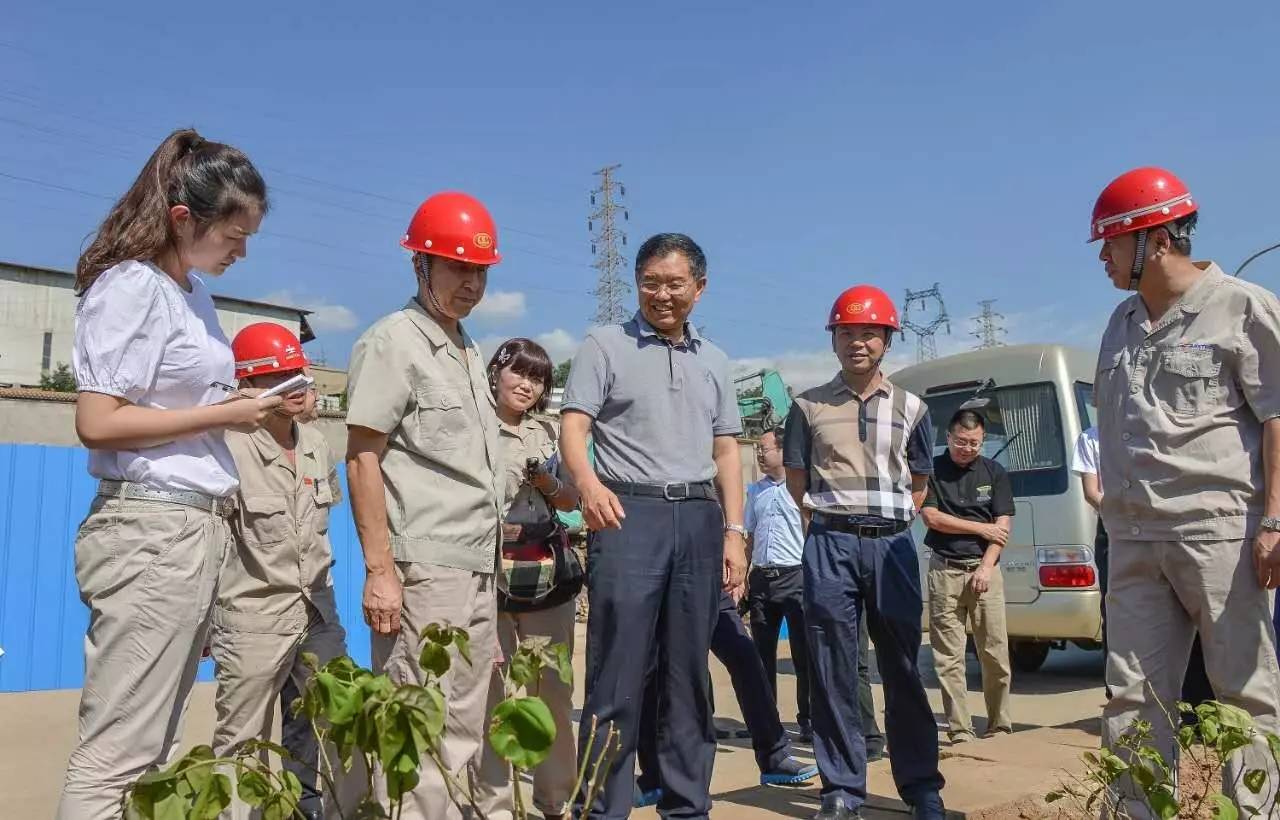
968	511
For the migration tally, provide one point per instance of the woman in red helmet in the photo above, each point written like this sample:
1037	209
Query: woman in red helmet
859	452
275	599
149	359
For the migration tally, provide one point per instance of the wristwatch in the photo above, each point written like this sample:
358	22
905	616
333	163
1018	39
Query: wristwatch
738	528
1272	524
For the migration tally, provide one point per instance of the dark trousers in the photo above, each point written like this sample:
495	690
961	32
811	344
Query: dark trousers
299	738
775	594
733	647
653	592
872	739
848	578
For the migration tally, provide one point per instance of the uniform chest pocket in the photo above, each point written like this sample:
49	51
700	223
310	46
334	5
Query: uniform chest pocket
264	520
1187	384
441	419
322	496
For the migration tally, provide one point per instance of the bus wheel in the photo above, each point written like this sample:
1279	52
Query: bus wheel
1028	656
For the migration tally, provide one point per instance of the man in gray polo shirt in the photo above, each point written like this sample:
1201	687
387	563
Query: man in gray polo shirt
657	398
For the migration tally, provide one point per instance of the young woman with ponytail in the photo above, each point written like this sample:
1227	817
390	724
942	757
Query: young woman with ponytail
148	358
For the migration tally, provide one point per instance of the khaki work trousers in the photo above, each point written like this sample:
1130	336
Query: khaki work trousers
1160	593
251	669
435	594
148	571
553	779
953	605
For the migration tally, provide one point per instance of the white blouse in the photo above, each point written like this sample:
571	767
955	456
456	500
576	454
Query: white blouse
142	338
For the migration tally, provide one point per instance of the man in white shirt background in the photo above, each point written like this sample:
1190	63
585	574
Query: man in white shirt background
775	589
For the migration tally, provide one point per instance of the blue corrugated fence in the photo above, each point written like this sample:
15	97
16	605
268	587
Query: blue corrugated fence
45	492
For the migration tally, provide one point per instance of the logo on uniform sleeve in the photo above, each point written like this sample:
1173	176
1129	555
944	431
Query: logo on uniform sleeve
483	240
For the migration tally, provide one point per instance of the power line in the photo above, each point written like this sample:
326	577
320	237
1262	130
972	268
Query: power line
606	245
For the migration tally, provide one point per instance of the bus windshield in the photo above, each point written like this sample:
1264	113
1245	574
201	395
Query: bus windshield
1024	434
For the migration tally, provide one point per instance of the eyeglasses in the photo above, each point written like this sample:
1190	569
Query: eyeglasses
676	289
962	444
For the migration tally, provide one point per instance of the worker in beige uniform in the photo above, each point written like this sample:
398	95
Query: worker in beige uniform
424	473
540	576
1189	438
275	598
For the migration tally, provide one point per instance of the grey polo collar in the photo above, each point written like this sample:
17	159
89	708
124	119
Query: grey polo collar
691	336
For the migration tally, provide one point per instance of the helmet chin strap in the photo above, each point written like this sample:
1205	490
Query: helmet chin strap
422	267
1139	259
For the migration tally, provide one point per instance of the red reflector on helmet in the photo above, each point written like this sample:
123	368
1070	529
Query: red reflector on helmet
1079	575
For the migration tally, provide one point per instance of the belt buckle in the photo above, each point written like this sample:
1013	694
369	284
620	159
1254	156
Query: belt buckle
666	491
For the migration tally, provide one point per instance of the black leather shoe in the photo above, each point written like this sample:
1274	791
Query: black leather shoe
835	809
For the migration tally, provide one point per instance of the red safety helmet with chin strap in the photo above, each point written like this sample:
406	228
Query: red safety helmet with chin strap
456	226
864	305
1137	201
266	347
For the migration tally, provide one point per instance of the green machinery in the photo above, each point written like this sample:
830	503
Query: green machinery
764	400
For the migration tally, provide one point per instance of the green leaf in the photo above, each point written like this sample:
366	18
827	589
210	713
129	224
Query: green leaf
214	797
522	731
251	748
1273	743
1231	740
1223	808
1161	799
435	659
462	642
523	669
564	662
1053	797
171	807
391	734
400	783
253	788
1232	717
1255	779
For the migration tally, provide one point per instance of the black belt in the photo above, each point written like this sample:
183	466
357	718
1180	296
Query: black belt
845	523
671	491
966	564
776	570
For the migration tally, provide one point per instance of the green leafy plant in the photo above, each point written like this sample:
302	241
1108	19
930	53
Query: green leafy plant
363	720
59	380
1219	732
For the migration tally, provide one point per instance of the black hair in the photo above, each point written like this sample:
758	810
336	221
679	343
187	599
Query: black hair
662	244
967	420
523	357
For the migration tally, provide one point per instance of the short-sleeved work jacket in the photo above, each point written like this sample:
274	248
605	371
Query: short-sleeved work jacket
532	438
282	556
1181	403
442	466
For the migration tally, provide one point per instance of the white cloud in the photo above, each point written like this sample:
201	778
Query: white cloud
324	316
559	343
499	306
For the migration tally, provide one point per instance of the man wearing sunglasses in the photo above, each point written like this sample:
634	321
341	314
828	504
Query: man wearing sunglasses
968	512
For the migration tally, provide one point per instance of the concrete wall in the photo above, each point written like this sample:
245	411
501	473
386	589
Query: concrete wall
38	301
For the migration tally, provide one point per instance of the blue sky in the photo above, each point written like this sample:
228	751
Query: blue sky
807	147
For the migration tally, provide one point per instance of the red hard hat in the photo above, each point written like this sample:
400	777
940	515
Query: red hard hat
454	225
266	347
863	305
1138	199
